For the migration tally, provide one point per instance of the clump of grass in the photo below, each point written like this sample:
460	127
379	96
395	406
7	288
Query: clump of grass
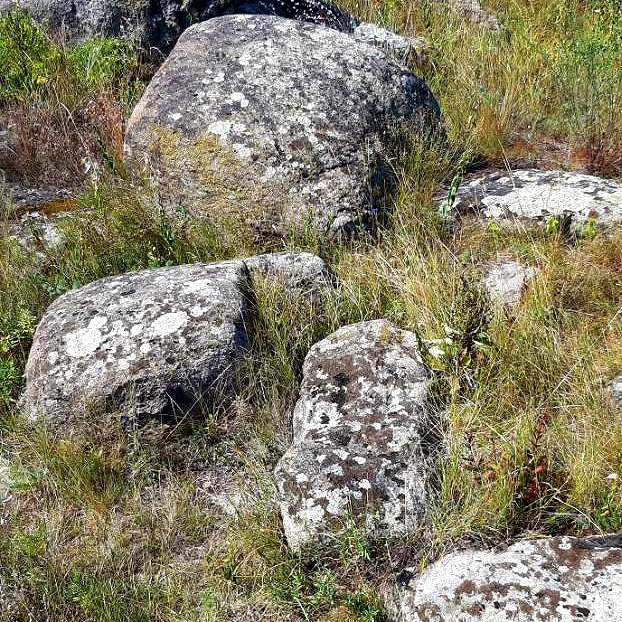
64	106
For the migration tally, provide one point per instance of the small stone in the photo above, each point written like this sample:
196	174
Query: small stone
358	450
506	282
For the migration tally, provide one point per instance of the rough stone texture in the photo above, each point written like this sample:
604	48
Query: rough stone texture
36	232
150	343
358	436
295	270
538	195
506	281
551	580
471	10
403	49
615	390
159	23
275	123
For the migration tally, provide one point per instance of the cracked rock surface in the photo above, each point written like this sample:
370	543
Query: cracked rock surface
358	447
559	579
538	195
246	121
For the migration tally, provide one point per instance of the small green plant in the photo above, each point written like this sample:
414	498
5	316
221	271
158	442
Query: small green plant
552	226
27	56
324	588
10	379
354	543
365	605
100	61
608	515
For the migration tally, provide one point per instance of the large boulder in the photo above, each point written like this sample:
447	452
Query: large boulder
538	196
151	343
159	23
270	122
359	437
553	580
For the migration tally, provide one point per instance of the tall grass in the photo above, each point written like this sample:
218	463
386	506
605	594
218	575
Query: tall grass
181	524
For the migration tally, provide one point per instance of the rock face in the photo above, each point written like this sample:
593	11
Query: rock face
538	196
295	270
471	10
615	390
151	343
551	580
275	123
358	449
506	282
159	23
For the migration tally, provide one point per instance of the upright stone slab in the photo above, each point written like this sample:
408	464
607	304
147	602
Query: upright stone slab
272	123
150	343
550	580
358	450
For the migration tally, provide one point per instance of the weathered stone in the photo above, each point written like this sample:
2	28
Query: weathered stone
275	123
506	282
550	580
151	343
535	195
295	270
358	448
159	23
471	10
403	49
615	390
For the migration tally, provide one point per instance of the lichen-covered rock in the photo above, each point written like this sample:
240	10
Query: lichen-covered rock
151	343
470	10
295	270
159	23
275	123
506	282
615	390
536	195
358	447
550	580
403	49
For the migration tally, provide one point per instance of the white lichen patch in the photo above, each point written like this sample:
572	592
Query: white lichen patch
168	324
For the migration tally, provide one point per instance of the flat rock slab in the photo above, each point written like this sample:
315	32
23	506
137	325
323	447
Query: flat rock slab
551	580
358	428
506	281
275	123
149	343
537	196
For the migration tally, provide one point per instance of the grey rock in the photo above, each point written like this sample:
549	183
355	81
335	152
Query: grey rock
295	270
537	195
150	344
159	23
615	390
275	123
559	579
403	49
37	233
358	447
471	10
506	281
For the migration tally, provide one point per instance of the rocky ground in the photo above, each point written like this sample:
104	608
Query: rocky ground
310	312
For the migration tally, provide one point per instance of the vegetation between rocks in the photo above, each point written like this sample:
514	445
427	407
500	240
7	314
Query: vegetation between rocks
142	527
